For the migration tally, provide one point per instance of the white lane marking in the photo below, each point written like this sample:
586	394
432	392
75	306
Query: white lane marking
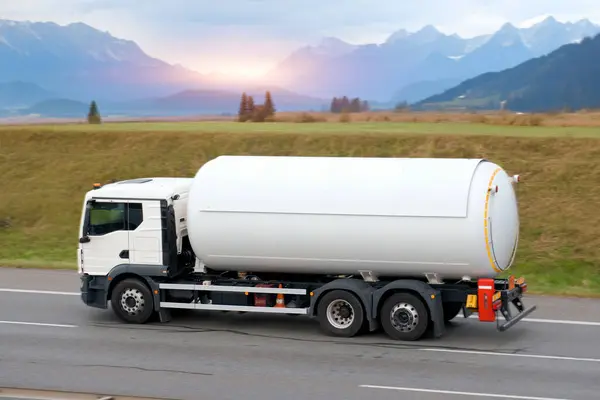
501	396
552	321
494	353
39	292
562	321
38	324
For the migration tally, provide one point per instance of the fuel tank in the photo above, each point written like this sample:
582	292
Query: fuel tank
396	217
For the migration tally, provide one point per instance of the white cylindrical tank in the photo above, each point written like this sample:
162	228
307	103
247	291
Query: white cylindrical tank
400	217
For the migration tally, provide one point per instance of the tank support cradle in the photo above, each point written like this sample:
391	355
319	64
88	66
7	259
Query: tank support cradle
433	278
368	276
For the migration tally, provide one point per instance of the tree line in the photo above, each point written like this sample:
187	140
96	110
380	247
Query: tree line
344	104
250	111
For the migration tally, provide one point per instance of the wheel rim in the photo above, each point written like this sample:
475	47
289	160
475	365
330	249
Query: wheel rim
404	317
132	301
340	314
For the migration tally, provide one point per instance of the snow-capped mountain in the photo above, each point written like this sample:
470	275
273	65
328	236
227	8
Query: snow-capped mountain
79	61
389	69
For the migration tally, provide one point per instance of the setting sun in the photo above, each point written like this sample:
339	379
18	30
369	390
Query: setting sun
244	71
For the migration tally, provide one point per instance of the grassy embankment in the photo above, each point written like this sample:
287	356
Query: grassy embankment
46	170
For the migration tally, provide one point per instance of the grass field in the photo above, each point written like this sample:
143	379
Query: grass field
47	169
362	122
355	128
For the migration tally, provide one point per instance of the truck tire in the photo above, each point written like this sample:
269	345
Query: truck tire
340	313
451	310
132	301
404	316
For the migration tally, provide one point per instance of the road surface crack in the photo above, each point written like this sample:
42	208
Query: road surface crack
130	367
175	371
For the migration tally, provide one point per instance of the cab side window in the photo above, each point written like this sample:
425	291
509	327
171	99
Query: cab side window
136	216
106	218
111	217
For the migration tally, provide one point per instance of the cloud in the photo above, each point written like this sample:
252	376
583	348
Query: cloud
203	33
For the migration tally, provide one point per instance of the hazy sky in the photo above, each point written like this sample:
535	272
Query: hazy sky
208	35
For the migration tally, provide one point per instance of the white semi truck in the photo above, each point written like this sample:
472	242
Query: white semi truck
404	244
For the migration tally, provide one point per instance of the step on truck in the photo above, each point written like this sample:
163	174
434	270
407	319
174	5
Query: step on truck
359	244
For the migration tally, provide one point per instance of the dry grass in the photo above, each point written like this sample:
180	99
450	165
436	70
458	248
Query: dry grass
307	123
46	172
556	119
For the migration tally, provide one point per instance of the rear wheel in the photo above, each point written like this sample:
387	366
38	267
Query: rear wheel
404	316
340	313
132	301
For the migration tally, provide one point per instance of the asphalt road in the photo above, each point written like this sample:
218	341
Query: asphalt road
52	341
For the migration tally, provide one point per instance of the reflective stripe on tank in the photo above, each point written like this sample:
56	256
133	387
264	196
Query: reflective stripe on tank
485	223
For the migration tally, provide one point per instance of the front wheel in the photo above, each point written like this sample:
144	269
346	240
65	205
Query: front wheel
404	317
132	301
340	313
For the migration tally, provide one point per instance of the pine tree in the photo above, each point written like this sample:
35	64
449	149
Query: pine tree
93	116
269	106
335	105
243	110
345	104
355	105
250	106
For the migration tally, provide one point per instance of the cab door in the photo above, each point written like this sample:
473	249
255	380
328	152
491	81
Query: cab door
104	242
145	232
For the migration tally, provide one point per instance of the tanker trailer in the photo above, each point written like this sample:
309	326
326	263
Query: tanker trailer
357	243
396	217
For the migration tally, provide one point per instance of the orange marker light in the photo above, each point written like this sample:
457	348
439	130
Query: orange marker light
511	282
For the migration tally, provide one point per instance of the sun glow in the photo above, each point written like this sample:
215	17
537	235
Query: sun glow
240	72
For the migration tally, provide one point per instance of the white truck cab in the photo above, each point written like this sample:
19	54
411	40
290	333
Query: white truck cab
126	223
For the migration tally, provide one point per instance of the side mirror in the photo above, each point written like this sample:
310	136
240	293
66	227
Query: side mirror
84	239
86	223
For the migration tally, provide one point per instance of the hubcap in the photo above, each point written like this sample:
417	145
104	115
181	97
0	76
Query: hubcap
340	314
132	301
404	317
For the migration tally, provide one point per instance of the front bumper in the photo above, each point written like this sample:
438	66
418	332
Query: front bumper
94	291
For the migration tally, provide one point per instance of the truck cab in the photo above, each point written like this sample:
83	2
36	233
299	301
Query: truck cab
133	223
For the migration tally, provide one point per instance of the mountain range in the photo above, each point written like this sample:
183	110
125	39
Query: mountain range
77	61
17	94
411	66
568	77
50	69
